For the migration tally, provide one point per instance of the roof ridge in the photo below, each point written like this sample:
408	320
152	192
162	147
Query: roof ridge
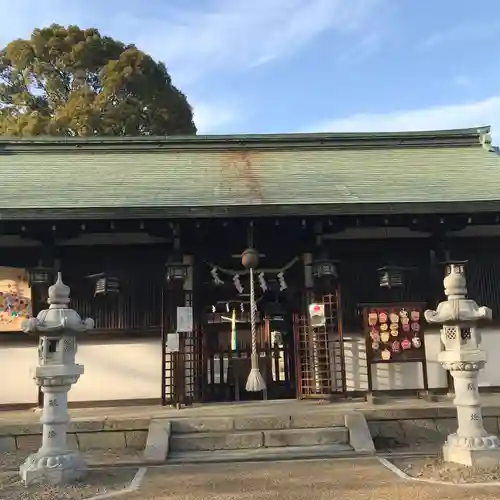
453	137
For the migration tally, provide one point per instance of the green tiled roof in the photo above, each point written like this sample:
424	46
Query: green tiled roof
189	176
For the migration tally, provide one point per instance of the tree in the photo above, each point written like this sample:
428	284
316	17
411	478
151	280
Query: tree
74	82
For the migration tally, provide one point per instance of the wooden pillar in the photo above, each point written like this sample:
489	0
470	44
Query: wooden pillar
188	351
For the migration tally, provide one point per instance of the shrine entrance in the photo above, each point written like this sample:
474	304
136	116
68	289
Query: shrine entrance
227	350
227	338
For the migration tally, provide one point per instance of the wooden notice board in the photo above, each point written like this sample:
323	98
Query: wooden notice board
394	334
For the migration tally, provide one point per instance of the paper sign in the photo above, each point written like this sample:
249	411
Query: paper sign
317	314
185	319
172	342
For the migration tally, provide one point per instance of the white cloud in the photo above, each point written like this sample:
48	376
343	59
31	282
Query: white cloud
464	32
215	117
464	115
227	34
239	34
214	37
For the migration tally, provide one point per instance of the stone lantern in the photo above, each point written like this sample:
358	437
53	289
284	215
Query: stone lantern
57	328
471	444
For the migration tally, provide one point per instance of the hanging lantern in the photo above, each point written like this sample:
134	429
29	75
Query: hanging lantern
391	276
40	276
324	268
105	284
176	271
275	312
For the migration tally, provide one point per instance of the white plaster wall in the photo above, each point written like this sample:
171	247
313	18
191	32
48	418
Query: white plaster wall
392	376
490	375
131	369
409	375
119	369
16	383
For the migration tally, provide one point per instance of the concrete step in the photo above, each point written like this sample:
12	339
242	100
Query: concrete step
262	454
244	440
257	422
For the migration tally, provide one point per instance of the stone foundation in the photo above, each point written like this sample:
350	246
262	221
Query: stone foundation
388	427
414	427
82	435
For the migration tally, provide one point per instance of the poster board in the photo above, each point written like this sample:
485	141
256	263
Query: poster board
15	299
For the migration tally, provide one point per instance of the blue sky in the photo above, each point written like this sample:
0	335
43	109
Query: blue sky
268	66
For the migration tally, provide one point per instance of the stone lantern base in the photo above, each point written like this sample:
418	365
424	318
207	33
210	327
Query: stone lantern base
482	452
60	469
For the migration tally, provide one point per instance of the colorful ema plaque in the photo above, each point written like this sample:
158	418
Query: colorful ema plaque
394	334
15	298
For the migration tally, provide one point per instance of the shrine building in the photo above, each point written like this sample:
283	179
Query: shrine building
148	232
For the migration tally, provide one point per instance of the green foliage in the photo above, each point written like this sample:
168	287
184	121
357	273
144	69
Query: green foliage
74	82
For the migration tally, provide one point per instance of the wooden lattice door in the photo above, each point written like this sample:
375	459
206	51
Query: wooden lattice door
320	353
182	370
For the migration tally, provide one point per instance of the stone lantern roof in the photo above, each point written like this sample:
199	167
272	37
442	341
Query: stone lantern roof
58	319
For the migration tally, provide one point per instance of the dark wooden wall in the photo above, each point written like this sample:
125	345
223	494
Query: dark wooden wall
360	259
141	272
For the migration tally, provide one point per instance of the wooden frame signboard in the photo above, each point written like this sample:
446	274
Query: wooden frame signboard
394	334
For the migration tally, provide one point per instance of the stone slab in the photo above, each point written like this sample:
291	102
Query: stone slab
101	440
19	430
359	434
29	442
316	420
158	440
262	454
262	423
127	425
33	442
216	441
401	413
136	439
423	430
491	425
446	426
90	425
7	443
306	437
190	425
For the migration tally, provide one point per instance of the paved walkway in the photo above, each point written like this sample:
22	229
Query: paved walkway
364	479
250	408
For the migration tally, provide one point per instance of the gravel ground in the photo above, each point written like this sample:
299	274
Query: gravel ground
358	479
437	470
97	482
93	457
